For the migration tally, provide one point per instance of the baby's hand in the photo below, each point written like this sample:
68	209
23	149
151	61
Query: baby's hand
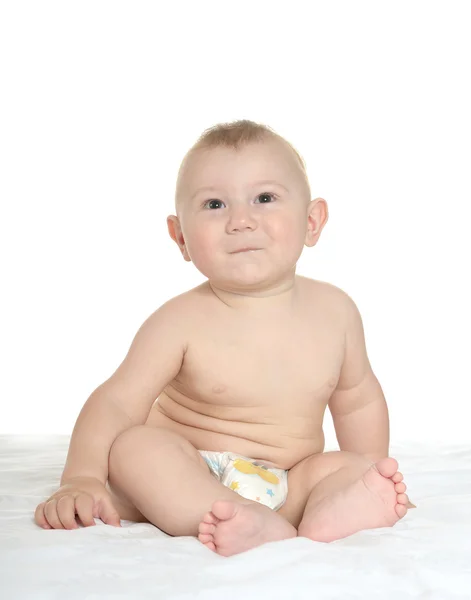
85	497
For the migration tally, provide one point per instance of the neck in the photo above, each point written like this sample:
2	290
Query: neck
280	295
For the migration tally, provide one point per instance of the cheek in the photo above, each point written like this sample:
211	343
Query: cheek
200	244
287	229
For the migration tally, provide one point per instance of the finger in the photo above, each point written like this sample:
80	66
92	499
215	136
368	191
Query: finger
84	509
39	517
108	513
66	512
50	512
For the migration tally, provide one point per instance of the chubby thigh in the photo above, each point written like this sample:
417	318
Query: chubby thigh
144	462
157	476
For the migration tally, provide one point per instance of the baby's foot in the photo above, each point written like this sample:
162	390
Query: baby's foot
375	500
230	527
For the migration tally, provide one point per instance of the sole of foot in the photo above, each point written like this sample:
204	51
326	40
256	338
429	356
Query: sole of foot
376	499
230	528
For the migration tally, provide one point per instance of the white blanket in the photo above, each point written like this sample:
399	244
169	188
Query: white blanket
426	555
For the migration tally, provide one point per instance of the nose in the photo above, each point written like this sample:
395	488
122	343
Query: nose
240	219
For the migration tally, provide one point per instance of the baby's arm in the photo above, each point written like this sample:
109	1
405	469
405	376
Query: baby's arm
358	407
125	399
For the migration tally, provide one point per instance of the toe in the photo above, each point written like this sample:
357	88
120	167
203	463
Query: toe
402	499
210	518
400	487
211	546
224	510
397	477
401	510
387	466
206	527
205	538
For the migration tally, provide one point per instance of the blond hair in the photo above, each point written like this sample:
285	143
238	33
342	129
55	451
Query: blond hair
236	135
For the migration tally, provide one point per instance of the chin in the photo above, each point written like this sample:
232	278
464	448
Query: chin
243	281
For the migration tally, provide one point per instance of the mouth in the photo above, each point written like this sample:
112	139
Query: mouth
250	249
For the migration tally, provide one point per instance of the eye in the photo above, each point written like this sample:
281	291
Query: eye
265	195
208	202
265	198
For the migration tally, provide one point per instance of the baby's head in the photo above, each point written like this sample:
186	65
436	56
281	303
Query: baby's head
242	186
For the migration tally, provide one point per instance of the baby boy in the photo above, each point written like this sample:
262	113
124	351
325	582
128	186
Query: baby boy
212	424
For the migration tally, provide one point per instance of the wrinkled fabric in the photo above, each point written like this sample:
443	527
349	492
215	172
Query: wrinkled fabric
425	555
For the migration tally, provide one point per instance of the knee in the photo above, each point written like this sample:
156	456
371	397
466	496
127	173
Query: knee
318	466
338	459
340	455
141	440
127	440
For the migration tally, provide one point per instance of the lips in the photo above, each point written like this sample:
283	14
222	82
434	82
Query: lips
244	250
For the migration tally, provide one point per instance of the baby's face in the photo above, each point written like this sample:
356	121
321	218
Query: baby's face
243	214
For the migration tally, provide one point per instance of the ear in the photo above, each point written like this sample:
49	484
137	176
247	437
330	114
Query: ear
317	217
175	231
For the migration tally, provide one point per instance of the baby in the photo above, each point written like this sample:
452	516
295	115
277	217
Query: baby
212	424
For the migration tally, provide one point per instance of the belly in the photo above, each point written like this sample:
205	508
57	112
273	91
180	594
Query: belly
281	442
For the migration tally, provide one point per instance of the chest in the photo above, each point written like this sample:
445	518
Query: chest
256	364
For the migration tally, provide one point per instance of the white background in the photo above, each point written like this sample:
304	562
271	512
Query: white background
99	103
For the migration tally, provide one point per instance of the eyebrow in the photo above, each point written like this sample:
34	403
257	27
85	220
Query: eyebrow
211	188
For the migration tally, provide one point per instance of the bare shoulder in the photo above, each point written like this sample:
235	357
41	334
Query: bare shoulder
181	309
326	292
332	301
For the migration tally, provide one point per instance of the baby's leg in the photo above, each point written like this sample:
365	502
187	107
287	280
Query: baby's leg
156	474
165	478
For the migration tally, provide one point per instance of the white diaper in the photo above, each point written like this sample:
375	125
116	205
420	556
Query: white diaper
249	478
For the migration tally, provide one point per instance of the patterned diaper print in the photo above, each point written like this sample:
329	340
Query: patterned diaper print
249	478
